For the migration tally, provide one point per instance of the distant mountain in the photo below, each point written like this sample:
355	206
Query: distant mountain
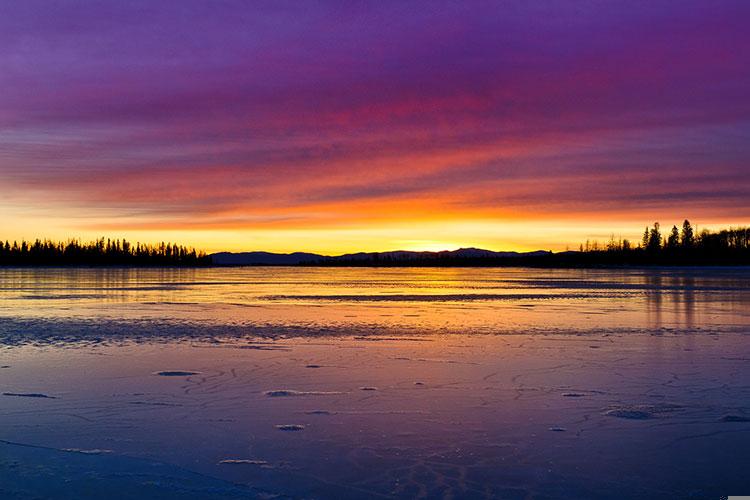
263	258
297	258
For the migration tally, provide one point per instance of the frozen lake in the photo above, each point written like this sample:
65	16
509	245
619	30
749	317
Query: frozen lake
372	383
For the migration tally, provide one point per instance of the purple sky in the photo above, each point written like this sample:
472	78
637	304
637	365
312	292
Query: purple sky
339	125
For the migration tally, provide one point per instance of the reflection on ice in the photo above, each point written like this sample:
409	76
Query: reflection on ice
368	383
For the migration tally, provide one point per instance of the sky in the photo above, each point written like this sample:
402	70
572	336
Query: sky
344	126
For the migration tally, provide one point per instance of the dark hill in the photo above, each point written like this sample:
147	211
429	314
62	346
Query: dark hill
398	256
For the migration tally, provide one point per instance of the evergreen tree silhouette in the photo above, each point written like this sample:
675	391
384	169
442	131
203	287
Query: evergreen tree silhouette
674	238
687	238
97	253
654	239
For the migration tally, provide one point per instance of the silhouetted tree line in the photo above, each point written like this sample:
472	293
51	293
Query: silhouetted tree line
100	252
680	246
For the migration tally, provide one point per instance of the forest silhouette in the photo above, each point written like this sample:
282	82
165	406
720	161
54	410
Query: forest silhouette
683	246
100	252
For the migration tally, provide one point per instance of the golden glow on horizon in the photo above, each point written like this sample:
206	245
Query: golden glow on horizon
417	235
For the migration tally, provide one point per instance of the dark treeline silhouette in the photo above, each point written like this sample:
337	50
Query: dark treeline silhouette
100	252
682	246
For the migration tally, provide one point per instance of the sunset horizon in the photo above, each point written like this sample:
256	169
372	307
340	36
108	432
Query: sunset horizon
353	240
406	127
360	250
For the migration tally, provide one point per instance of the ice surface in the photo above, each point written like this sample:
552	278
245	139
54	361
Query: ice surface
281	393
290	427
28	395
40	472
176	373
640	411
735	418
242	461
95	451
480	395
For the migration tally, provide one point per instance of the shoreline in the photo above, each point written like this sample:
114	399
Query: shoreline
395	265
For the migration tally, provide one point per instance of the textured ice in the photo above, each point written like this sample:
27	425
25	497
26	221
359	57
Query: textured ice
290	427
93	451
29	471
242	461
281	393
176	373
29	395
263	347
464	297
735	418
629	413
154	403
518	405
640	411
